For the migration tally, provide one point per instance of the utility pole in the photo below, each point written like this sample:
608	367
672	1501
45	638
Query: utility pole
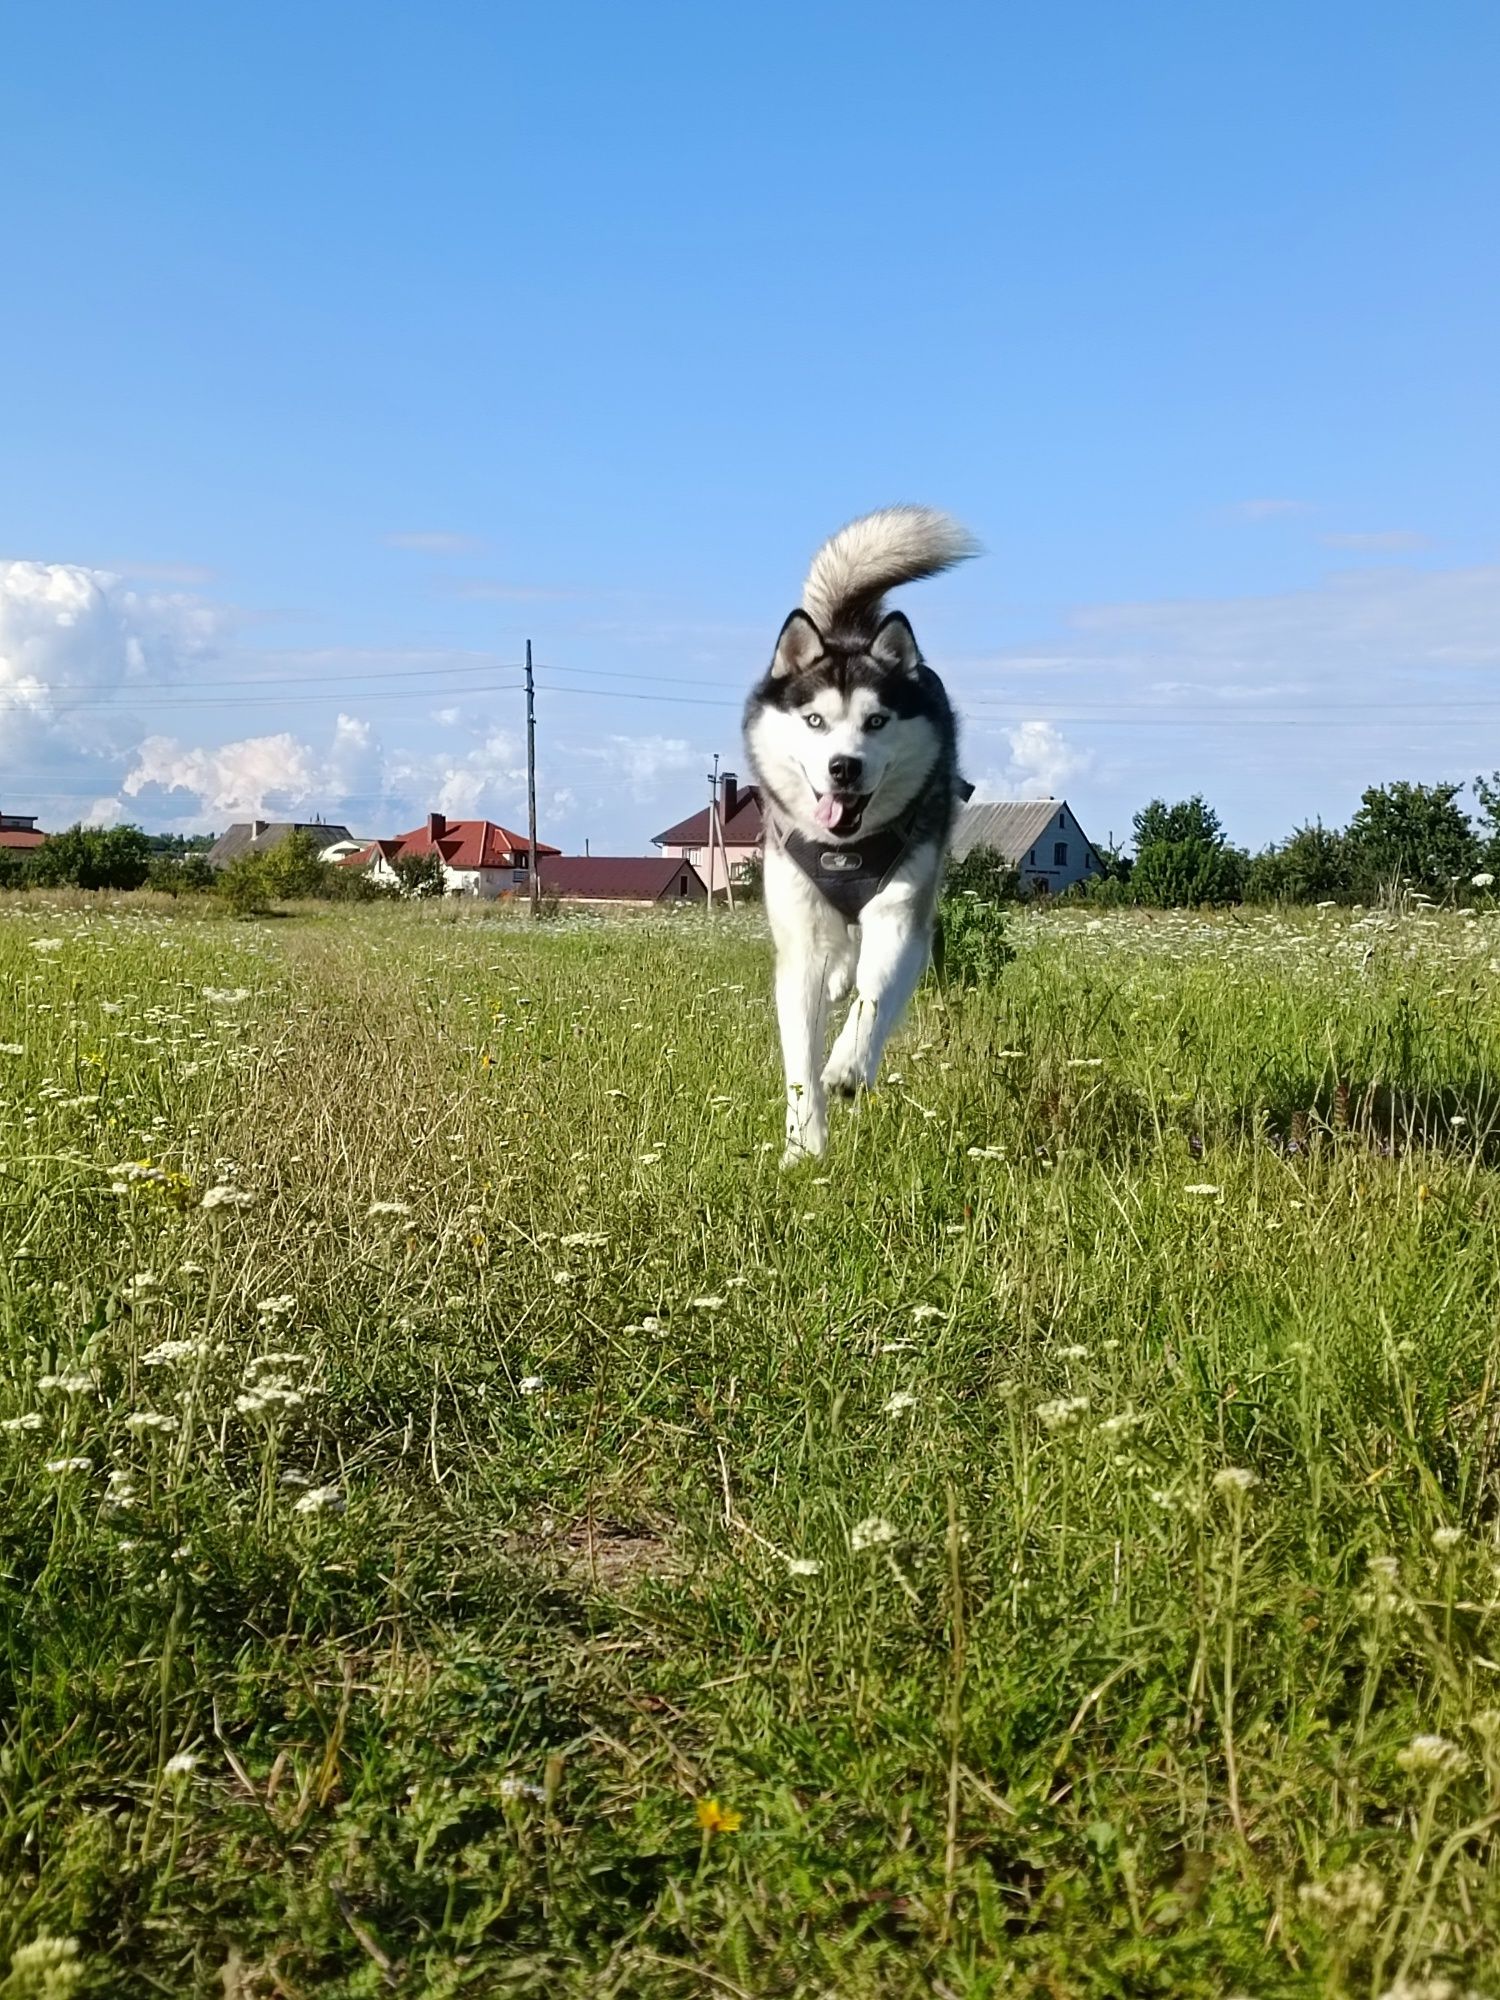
713	824
536	887
716	836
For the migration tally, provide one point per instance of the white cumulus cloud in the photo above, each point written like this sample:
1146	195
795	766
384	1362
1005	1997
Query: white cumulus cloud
1040	765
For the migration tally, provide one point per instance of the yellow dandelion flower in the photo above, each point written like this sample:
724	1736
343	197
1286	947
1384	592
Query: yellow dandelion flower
714	1818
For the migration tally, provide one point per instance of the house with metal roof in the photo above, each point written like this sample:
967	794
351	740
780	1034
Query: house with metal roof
259	836
1039	837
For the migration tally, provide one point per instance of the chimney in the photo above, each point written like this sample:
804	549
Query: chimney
437	826
731	798
258	827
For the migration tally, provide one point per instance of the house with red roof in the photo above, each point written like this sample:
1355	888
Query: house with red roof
646	881
479	858
743	829
18	832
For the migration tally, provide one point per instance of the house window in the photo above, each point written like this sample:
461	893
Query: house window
1062	819
1031	859
1059	854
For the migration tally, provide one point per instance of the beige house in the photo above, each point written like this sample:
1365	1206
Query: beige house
743	829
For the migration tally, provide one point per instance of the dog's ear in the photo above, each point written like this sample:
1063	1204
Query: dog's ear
895	645
800	644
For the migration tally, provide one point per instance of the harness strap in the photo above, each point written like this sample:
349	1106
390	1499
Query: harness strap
850	877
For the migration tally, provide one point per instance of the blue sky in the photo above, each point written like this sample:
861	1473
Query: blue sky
347	348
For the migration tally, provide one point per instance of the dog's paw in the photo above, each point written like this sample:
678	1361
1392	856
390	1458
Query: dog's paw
845	1079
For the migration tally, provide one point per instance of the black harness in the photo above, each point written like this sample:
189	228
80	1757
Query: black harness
851	877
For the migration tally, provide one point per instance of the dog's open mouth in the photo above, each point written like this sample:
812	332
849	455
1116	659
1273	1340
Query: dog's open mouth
841	812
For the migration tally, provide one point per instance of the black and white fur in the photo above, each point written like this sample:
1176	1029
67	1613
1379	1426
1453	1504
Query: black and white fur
850	731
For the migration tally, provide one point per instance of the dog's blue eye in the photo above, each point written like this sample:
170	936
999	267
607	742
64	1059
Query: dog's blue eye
814	720
876	721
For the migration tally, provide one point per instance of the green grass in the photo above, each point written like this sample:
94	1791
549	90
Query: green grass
901	1506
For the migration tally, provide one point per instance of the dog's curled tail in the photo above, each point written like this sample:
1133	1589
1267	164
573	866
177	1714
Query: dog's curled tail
853	570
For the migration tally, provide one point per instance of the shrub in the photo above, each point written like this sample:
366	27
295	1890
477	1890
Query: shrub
182	875
91	857
983	872
420	875
244	885
972	946
1180	874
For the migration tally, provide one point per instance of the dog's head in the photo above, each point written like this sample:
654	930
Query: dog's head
839	729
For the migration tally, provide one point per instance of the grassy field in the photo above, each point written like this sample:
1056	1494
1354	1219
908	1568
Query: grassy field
470	1525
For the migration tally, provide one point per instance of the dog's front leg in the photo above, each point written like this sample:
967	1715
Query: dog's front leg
802	1011
895	943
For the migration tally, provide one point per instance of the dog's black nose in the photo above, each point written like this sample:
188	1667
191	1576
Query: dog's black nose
845	771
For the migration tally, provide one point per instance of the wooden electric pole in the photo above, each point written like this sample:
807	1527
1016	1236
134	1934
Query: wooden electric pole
536	887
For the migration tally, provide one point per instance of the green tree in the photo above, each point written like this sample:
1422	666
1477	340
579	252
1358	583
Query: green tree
1189	819
1182	857
1416	834
181	873
292	867
983	872
1312	867
244	885
1180	874
92	857
1487	791
421	875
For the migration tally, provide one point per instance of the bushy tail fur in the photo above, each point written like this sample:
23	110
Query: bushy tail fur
854	569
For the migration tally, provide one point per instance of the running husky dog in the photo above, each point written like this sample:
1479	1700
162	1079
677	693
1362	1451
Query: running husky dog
854	744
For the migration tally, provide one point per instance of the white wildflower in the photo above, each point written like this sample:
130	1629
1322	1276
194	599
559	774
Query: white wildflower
1432	1756
1085	1062
803	1566
926	1312
321	1500
168	1352
1125	1420
1483	880
1203	1188
1062	1413
518	1788
986	1152
1445	1540
67	1385
531	1385
31	1421
378	1208
1235	1479
585	1239
279	1307
46	944
141	1286
873	1532
180	1765
899	1400
48	1966
709	1303
140	1421
70	1465
1073	1353
1349	1896
12	1049
268	1396
226	996
226	1197
648	1159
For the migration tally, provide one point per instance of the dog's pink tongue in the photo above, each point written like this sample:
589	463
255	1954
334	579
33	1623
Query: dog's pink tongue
828	811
